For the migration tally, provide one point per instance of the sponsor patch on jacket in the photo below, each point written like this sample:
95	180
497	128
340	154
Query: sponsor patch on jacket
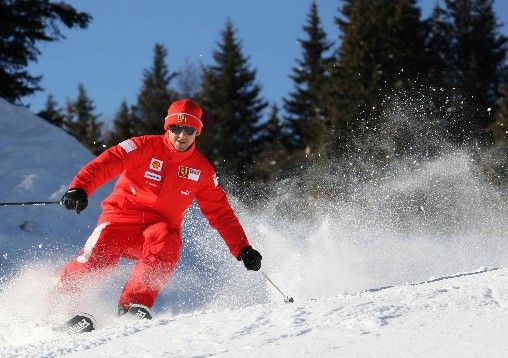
128	145
156	164
152	176
189	173
215	179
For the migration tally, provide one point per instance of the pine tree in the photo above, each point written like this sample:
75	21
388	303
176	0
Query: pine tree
155	95
407	33
231	97
81	122
123	126
272	159
438	72
272	155
52	113
499	128
479	54
306	106
381	50
272	129
23	25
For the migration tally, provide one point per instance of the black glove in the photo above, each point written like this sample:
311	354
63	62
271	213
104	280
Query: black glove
251	258
75	199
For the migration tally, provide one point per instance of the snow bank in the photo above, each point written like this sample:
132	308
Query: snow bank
38	161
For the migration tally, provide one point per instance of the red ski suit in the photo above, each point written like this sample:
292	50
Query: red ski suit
141	219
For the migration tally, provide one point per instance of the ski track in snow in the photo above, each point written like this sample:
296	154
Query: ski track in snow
458	315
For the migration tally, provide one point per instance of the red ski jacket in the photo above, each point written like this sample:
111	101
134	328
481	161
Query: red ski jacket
158	183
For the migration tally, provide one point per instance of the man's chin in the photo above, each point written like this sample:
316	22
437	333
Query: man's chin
181	148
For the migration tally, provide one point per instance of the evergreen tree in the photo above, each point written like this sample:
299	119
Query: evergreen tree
81	122
123	126
52	113
23	25
306	107
499	128
272	158
155	95
479	53
272	129
381	50
438	72
231	97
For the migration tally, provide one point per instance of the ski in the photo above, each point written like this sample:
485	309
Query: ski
80	323
85	322
135	312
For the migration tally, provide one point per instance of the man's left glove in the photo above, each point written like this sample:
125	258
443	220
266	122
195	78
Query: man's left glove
251	258
75	199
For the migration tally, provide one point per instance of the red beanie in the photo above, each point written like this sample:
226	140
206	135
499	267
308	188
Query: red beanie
184	112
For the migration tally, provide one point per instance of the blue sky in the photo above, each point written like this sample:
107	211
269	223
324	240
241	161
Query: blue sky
110	55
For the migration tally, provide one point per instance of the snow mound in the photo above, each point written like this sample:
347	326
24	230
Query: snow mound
38	162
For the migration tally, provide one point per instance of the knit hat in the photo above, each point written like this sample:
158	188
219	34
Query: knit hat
184	112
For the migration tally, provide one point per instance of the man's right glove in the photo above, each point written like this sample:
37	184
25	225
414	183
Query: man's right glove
75	199
251	258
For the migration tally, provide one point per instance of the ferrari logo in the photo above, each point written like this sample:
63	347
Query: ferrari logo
181	118
189	173
184	172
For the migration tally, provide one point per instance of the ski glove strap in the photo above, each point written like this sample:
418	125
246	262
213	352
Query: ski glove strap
75	199
251	258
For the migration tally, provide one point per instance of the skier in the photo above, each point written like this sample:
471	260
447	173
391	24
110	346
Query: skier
160	175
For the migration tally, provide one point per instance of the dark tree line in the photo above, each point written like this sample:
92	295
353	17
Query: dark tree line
456	59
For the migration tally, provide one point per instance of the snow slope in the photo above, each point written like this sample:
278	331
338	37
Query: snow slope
37	163
463	315
357	267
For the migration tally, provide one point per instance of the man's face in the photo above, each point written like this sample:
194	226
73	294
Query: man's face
181	137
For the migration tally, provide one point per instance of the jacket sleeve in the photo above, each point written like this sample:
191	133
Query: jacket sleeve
108	164
214	205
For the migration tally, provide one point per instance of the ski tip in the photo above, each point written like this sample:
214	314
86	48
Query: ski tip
80	323
90	317
288	299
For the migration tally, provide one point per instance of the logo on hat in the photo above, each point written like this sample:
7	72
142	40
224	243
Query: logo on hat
184	111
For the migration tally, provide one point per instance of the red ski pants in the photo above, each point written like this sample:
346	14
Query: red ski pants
156	249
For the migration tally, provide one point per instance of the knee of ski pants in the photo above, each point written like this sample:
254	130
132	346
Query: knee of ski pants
162	243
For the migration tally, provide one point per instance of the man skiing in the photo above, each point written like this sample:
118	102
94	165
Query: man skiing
160	175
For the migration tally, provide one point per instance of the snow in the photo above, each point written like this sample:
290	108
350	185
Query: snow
462	315
37	163
415	266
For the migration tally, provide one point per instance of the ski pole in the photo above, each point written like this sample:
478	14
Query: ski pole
31	203
286	298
